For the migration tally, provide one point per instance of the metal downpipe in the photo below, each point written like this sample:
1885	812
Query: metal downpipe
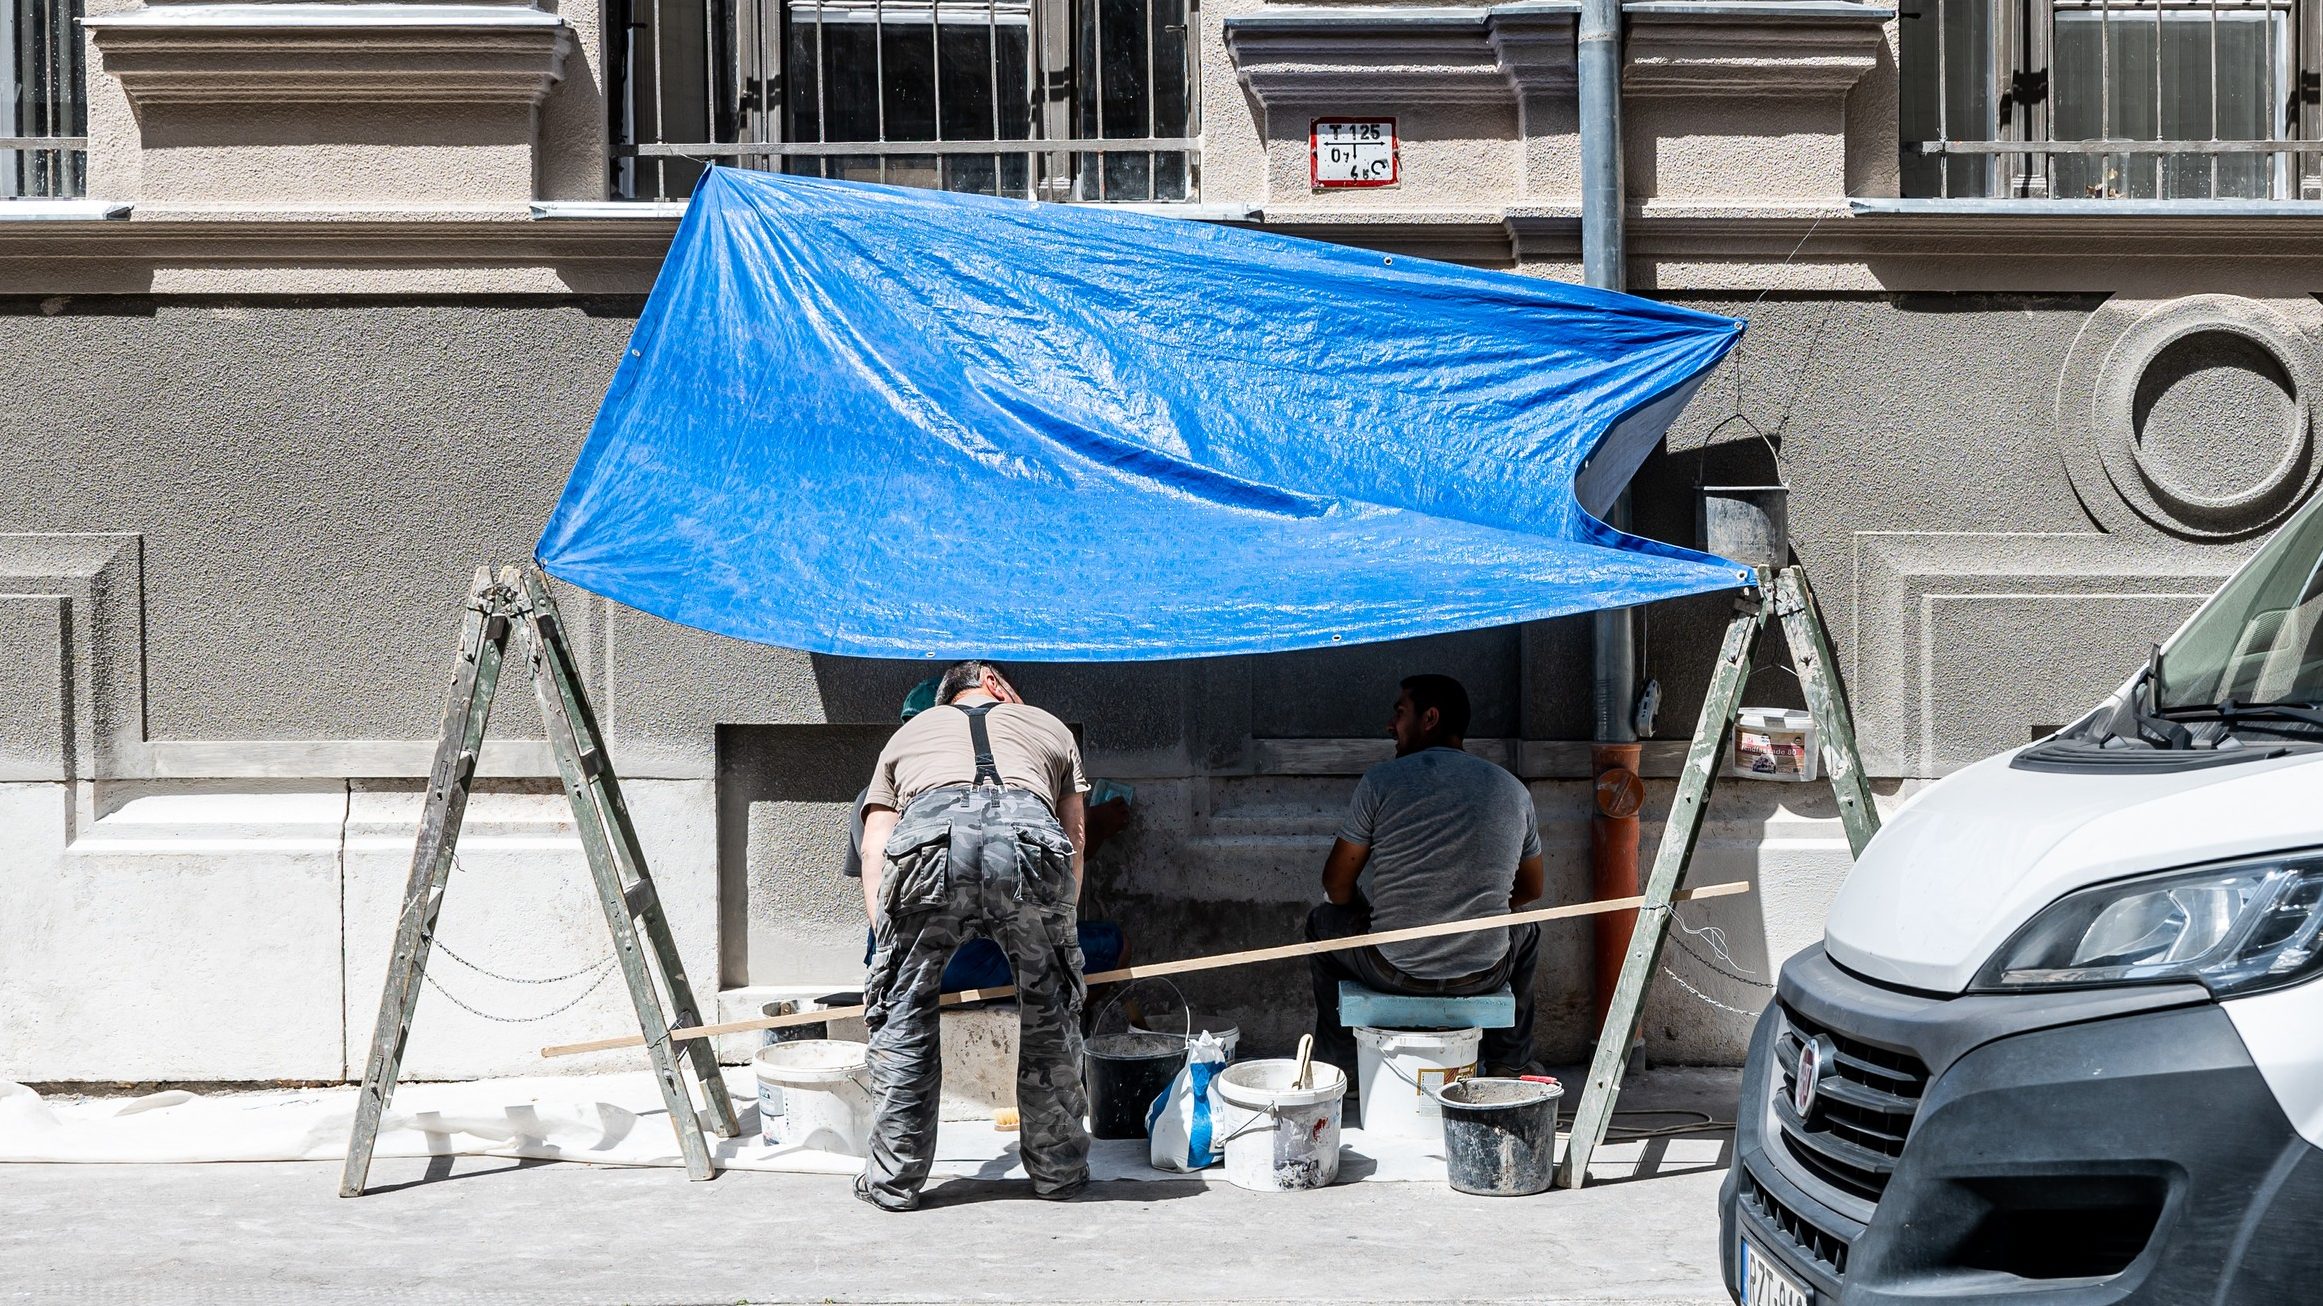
1613	825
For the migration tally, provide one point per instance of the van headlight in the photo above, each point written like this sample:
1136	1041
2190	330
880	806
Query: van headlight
2233	928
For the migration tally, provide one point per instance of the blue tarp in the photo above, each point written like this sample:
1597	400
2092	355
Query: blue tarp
902	423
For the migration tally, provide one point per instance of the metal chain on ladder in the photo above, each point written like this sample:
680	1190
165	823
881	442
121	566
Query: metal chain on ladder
604	971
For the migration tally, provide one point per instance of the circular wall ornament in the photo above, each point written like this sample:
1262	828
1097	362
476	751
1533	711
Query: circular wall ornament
2193	416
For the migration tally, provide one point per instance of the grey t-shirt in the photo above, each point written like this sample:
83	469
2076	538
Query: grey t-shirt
1446	831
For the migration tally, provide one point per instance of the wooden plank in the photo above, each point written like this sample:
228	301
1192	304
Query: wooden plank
467	707
552	687
639	894
1189	965
1533	759
1819	678
1679	834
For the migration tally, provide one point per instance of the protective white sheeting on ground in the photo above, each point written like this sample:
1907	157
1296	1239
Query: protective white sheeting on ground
604	1120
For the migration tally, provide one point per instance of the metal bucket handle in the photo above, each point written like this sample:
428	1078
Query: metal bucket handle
1782	464
1131	987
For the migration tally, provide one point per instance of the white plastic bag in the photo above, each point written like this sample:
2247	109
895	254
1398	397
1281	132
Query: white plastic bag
1177	1127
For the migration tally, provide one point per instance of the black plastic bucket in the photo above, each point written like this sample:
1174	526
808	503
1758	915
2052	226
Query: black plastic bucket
1126	1073
1500	1135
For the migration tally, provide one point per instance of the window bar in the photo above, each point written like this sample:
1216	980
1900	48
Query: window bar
992	52
2104	93
936	85
1097	67
710	77
1036	122
50	163
32	165
822	98
660	165
1943	101
2214	95
1152	80
2266	25
879	76
768	127
2161	188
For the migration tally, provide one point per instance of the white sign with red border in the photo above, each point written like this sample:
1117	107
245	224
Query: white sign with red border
1352	153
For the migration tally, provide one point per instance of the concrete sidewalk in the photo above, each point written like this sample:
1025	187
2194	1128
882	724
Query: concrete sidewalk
515	1233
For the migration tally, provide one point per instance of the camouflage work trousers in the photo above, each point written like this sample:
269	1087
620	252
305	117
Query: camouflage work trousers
989	863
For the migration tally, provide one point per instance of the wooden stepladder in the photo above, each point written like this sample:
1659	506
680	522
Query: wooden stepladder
1793	604
518	601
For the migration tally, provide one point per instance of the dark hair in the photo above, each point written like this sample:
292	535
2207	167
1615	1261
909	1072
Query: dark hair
1446	696
961	677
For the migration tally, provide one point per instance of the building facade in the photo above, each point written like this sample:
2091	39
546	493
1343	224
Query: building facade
310	305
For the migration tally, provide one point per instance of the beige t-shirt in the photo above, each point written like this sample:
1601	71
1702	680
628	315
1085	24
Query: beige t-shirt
1033	750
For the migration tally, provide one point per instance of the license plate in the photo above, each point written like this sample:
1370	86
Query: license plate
1765	1284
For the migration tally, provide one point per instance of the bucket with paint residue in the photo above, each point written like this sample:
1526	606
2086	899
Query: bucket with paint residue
1500	1135
822	1092
1280	1120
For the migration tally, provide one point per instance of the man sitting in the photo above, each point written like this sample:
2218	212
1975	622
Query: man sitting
1444	836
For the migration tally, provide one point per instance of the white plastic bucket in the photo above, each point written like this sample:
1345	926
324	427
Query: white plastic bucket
1227	1034
1279	1137
822	1096
1395	1068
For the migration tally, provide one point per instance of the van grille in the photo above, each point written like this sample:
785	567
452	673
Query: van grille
1826	1250
1862	1113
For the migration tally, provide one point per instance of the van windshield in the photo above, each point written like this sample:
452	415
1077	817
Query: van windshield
2258	646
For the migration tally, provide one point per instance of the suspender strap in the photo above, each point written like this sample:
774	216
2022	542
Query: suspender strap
987	770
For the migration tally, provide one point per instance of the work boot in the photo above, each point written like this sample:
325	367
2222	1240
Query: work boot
863	1193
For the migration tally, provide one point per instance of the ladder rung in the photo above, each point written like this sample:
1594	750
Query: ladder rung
640	897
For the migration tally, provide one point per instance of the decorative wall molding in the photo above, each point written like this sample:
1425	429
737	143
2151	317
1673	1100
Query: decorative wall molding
272	54
2111	431
1449	55
1763	49
1388	57
1963	641
72	655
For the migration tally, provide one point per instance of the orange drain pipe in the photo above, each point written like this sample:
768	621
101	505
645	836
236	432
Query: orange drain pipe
1613	839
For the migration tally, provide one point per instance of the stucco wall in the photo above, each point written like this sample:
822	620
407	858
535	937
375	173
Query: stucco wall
288	495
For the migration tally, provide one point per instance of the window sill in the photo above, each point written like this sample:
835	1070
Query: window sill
2029	208
63	210
670	210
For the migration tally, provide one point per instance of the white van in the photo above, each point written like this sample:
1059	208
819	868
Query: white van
2063	1040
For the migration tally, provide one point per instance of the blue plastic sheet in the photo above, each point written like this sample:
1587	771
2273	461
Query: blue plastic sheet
902	423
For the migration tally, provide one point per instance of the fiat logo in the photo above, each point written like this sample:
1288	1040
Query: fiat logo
1815	1057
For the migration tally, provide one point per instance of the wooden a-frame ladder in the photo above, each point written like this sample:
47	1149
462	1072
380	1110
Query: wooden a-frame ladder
518	601
1793	604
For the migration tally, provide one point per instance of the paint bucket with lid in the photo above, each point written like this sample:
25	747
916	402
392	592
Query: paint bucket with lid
1280	1120
1500	1135
821	1089
1398	1072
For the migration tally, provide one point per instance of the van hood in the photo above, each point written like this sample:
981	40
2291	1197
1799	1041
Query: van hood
1961	868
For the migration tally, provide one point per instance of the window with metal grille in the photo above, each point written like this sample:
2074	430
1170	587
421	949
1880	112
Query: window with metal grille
1078	100
43	141
2111	99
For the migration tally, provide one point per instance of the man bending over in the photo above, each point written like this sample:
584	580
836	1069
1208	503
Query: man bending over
1436	835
